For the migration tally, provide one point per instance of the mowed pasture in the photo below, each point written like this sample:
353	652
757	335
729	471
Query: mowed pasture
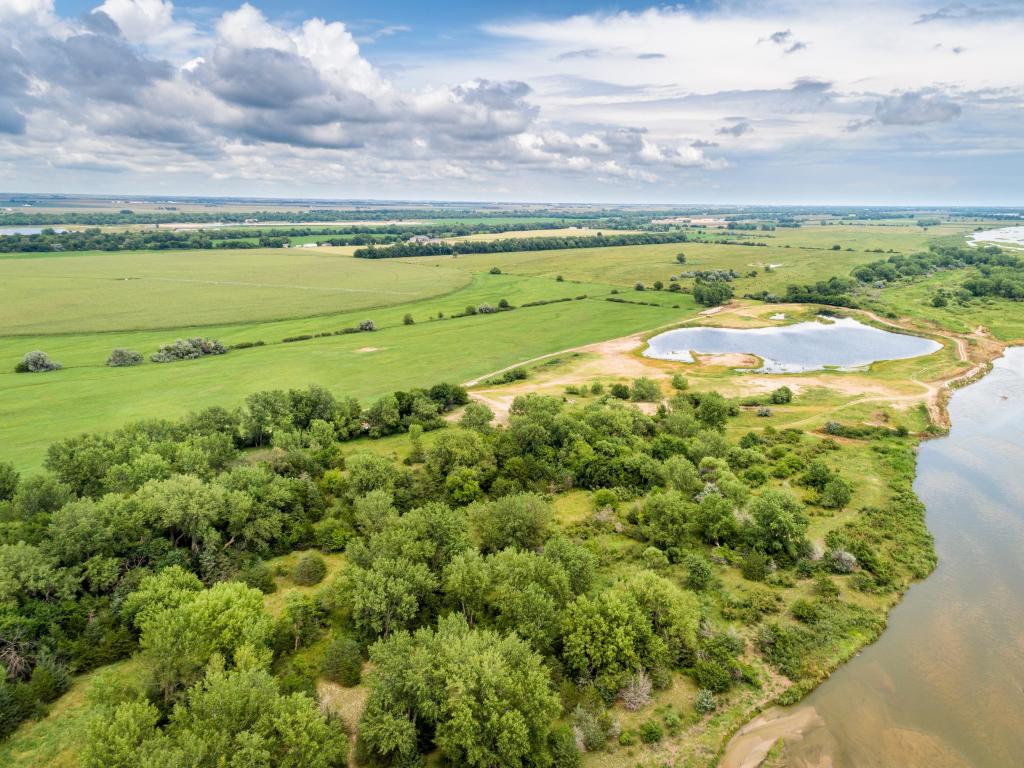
127	290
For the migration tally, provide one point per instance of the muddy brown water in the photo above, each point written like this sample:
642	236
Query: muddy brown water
944	685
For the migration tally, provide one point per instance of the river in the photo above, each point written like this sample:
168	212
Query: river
944	685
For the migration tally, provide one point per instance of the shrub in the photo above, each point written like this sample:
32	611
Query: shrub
939	300
712	675
841	561
188	349
503	304
654	558
681	258
124	357
559	279
485	309
258	576
764	411
367	325
342	661
407	320
650	732
679	382
495	271
754	567
36	362
705	701
645	390
675	287
658	285
564	752
639	287
781	396
50	678
698	573
620	391
587	728
309	570
637	691
597	388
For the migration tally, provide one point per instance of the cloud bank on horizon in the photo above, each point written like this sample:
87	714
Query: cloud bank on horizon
849	101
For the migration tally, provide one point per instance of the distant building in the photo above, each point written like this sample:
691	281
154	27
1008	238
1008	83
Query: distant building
310	245
423	240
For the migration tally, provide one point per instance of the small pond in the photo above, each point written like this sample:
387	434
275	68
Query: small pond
810	346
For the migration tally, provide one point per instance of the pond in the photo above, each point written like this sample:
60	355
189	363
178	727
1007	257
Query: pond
944	685
809	346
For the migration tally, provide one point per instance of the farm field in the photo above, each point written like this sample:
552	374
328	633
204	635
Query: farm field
129	290
268	295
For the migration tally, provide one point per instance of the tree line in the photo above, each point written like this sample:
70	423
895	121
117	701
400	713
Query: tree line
509	245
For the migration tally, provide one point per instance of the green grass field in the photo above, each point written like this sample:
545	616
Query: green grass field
267	295
169	289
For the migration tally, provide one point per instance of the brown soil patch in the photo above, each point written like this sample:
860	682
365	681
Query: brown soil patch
368	349
729	360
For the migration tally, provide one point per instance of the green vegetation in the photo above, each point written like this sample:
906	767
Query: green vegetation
300	553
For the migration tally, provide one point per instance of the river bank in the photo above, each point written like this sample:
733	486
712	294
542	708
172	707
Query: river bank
943	685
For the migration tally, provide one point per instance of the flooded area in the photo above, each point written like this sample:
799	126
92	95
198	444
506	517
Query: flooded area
810	346
944	685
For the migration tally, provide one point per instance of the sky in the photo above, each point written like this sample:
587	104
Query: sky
911	102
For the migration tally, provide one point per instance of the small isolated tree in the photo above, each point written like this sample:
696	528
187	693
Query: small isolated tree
621	391
559	279
503	304
681	258
36	362
120	358
679	382
309	570
658	285
367	325
495	271
781	396
407	320
639	287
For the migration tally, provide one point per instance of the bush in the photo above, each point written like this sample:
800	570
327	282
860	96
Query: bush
559	279
841	561
258	576
754	567
698	573
120	358
590	733
679	382
495	271
637	691
309	570
658	285
367	325
650	732
705	701
50	679
764	411
342	661
36	362
188	349
645	390
639	287
781	396
712	675
564	752
407	320
620	391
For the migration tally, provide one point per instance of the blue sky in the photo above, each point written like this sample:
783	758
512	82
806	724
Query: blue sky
745	101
